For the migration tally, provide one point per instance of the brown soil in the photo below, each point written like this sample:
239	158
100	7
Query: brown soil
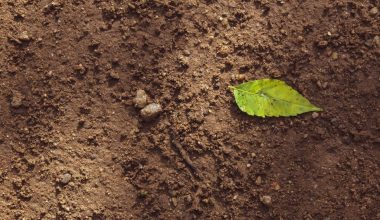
73	146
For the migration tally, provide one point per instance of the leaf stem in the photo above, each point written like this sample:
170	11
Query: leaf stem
231	88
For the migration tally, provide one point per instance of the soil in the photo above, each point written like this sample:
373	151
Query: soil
74	146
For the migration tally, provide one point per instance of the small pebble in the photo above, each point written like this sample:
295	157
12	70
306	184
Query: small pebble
65	178
80	69
24	36
376	41
114	75
151	111
141	99
259	181
253	155
186	53
188	199
373	11
334	55
266	200
174	202
315	115
276	186
17	98
322	44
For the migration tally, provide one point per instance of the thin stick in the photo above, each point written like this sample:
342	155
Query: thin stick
186	157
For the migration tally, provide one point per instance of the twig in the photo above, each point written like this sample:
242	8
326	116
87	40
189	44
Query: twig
185	157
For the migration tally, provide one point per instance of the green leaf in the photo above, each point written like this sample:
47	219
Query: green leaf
270	97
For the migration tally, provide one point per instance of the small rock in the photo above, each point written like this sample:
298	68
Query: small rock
266	200
334	55
373	11
188	199
276	186
205	201
239	77
323	44
315	115
224	51
65	178
186	53
376	41
17	98
80	69
259	181
174	202
151	111
253	155
142	194
114	75
141	99
183	61
24	37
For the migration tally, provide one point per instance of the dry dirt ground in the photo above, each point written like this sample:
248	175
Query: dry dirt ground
73	146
